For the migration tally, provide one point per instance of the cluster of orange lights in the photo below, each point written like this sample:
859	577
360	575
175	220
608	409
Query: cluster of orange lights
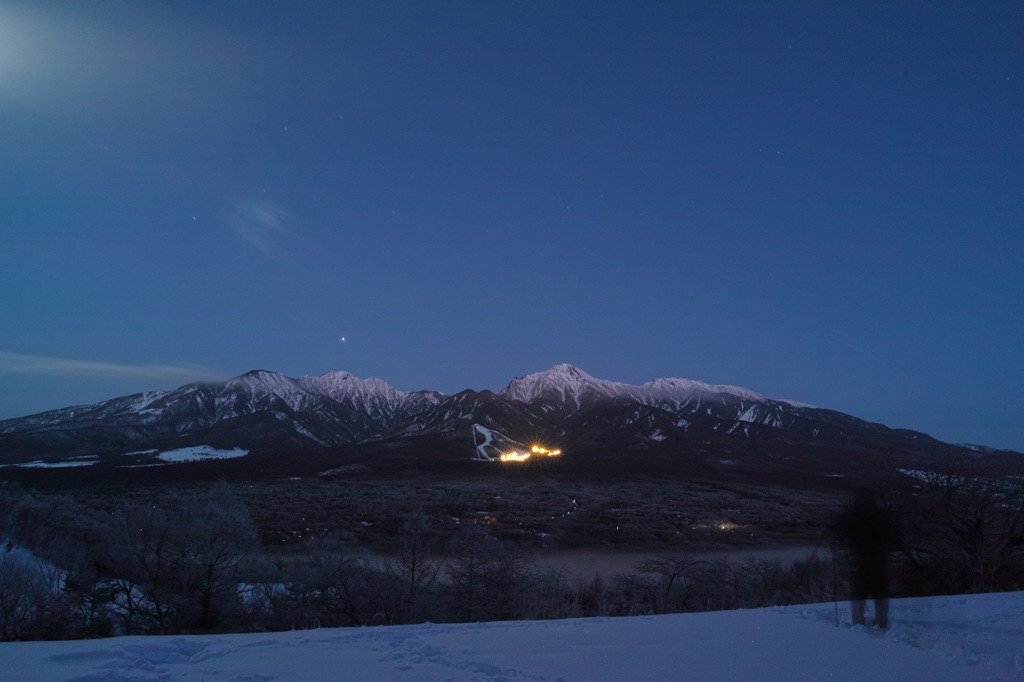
517	456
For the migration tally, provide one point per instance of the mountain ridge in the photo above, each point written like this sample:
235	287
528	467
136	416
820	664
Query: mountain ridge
263	411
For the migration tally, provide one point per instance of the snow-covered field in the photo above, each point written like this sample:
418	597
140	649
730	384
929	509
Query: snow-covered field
198	453
939	639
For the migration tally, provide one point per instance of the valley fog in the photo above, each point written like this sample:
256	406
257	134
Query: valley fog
586	563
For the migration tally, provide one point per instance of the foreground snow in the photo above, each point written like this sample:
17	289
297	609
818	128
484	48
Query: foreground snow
940	639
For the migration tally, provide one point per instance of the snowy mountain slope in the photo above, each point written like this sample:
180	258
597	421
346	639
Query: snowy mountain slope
567	385
333	409
264	411
371	396
455	413
939	639
563	385
566	388
490	444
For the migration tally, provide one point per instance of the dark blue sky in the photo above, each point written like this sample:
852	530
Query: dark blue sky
816	201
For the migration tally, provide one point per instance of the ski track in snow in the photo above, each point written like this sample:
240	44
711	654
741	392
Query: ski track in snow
481	452
494	440
940	639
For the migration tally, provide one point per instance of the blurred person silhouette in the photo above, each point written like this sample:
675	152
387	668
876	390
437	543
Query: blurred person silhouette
868	533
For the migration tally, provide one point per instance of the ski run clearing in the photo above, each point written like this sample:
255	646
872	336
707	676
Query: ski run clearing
939	639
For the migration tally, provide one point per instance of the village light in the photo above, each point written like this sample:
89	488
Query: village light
517	456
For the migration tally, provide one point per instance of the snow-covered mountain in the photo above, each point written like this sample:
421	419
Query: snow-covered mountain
371	396
264	411
333	409
566	385
566	388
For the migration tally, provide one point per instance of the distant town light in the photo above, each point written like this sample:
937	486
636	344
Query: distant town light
517	456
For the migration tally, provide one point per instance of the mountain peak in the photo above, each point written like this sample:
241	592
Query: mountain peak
257	374
271	381
564	367
569	385
373	395
562	383
338	375
677	387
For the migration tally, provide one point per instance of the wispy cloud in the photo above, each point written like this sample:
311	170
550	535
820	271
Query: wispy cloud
78	61
19	363
260	223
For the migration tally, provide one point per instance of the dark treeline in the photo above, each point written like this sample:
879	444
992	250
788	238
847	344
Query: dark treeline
194	564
